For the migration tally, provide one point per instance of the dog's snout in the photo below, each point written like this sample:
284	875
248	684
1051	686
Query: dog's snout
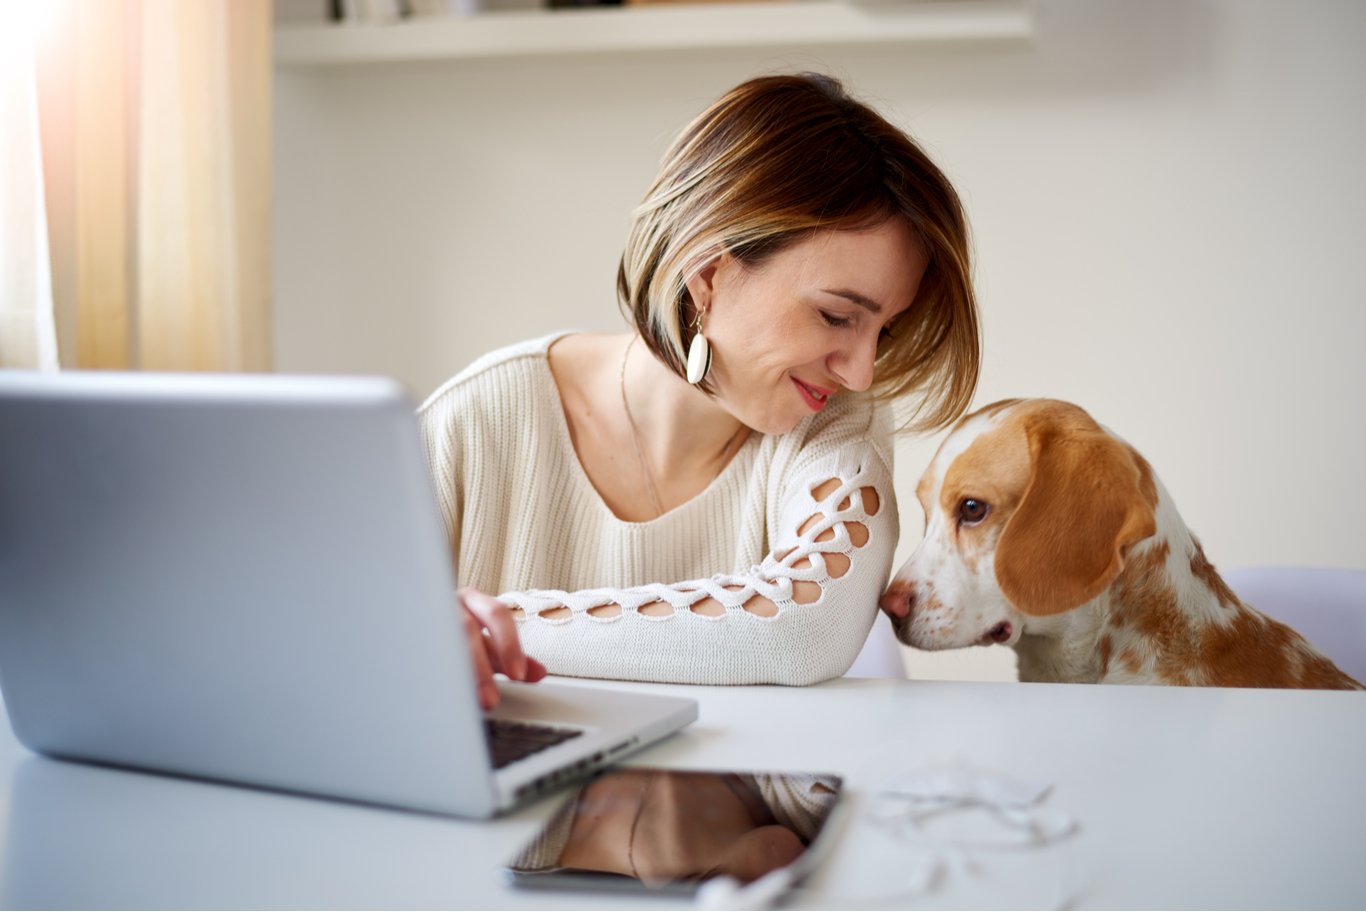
1000	633
898	600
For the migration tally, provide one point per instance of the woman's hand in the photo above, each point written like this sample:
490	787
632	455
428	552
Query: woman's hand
494	646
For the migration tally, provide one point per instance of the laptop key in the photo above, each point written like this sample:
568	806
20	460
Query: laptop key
510	741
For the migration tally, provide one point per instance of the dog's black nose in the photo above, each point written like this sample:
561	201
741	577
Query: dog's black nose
898	600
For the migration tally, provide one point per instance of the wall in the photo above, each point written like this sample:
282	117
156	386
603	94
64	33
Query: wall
1166	197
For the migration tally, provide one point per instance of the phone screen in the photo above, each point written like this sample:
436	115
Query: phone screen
668	831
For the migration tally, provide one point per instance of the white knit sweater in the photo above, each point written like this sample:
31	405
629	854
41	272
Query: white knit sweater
525	522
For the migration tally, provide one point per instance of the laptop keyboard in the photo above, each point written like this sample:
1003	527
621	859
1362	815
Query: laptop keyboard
510	741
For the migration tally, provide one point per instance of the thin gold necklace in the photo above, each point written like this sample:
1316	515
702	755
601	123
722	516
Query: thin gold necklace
635	438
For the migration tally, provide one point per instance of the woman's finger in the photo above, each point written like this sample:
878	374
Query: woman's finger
534	670
483	668
496	618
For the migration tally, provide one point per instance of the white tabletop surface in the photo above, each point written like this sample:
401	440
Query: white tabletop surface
1186	798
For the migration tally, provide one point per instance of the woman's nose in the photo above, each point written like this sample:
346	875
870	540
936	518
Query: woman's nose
854	366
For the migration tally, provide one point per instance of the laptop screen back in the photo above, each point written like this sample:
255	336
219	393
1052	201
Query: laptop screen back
237	577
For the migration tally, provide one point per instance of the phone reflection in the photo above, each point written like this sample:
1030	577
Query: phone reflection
670	830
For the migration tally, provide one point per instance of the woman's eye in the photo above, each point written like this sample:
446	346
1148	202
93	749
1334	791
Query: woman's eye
833	320
972	511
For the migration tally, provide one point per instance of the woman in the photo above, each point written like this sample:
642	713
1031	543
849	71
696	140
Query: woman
708	498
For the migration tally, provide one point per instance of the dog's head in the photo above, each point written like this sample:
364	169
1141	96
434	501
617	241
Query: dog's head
1030	506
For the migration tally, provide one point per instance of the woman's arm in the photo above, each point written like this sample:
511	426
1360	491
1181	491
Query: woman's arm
799	617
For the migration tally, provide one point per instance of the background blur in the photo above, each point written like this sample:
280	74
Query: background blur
1167	198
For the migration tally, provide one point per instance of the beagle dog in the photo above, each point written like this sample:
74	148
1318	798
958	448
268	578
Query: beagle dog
1049	534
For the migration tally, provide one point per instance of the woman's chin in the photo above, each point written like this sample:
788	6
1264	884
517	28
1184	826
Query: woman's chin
775	421
774	425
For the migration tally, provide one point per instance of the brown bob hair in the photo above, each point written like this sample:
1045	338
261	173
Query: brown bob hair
772	161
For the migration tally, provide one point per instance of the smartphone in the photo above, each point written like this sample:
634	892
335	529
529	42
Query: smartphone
666	831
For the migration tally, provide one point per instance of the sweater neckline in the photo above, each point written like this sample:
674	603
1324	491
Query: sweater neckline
581	475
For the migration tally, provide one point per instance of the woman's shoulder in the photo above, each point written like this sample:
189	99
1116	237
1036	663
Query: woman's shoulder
501	367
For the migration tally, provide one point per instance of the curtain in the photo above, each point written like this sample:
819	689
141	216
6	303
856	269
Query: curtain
27	330
156	143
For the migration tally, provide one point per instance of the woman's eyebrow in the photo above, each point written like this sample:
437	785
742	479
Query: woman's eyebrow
866	303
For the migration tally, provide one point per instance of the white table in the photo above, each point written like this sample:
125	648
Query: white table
1187	798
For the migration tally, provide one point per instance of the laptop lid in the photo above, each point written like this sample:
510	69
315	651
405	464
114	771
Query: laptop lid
234	577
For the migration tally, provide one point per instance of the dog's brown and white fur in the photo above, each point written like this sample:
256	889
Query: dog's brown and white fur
1049	534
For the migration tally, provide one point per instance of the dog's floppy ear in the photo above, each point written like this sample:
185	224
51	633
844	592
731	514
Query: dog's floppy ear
1089	497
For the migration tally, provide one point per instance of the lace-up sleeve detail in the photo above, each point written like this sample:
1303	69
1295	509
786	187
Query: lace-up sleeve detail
799	617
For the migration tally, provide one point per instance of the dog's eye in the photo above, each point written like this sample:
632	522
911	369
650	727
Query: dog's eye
972	511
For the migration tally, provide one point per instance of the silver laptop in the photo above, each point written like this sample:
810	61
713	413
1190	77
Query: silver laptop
245	578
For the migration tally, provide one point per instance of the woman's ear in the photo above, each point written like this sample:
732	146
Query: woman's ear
701	284
1088	499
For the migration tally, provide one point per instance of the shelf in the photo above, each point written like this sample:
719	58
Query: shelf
800	23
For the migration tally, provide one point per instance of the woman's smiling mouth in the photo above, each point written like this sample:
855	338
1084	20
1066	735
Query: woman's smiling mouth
814	396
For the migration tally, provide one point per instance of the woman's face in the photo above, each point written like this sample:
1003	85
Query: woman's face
805	324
